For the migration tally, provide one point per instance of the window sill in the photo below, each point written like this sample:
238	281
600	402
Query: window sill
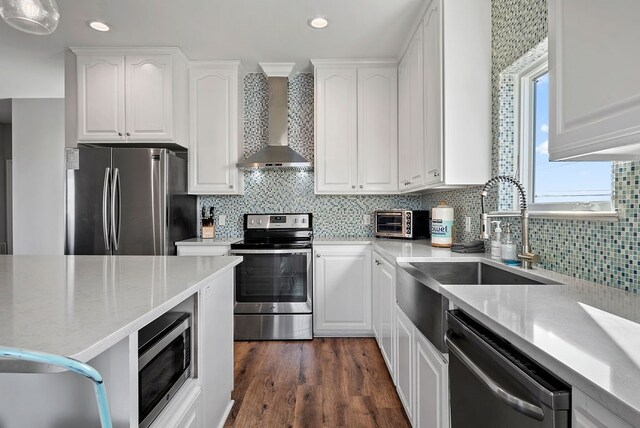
568	215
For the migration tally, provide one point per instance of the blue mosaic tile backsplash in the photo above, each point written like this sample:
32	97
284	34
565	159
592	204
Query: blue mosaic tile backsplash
293	191
606	252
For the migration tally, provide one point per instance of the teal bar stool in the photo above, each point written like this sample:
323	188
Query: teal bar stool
72	365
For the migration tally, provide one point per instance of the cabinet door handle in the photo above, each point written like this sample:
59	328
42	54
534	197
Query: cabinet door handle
119	134
128	134
318	255
361	186
353	186
231	186
434	172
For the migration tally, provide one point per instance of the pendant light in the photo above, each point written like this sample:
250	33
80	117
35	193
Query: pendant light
31	16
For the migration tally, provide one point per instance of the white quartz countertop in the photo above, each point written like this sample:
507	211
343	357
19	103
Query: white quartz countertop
223	242
587	334
79	306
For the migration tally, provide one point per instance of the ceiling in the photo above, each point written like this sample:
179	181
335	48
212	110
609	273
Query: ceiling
249	30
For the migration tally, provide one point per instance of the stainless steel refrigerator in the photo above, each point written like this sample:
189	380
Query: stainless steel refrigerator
128	201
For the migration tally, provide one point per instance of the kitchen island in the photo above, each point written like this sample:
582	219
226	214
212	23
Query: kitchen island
90	308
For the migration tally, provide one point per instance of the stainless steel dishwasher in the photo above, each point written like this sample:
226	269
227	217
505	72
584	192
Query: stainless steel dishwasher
492	384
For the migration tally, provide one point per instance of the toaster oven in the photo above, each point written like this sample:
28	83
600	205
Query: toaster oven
407	224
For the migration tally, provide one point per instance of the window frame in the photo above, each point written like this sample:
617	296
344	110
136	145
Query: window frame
524	129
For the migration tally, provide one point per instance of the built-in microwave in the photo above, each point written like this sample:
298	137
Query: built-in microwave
407	224
164	363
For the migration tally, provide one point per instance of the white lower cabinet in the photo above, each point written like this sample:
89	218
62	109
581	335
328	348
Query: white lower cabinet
383	299
184	410
422	378
215	348
404	361
342	290
431	378
588	413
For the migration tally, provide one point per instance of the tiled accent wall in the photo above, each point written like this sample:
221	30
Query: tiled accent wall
605	252
293	191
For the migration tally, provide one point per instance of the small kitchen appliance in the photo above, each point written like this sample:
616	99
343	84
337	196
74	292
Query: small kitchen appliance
273	288
407	224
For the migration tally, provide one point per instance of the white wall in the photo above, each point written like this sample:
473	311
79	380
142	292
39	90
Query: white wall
38	176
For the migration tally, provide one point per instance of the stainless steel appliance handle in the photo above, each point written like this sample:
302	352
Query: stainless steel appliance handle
105	209
162	343
498	391
115	230
302	252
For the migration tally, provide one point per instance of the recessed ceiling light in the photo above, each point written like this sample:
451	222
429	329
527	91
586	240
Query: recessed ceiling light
99	26
317	23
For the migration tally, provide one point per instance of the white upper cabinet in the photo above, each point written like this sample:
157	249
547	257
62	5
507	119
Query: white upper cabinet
131	94
594	104
378	129
215	116
101	111
355	127
445	130
149	97
411	101
336	129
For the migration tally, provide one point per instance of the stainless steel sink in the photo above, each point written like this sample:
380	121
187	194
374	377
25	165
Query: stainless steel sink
469	273
418	290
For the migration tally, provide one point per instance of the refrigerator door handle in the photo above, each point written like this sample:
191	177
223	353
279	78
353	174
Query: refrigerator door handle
115	230
105	209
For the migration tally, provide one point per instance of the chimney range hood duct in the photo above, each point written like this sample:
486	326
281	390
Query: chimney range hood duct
277	154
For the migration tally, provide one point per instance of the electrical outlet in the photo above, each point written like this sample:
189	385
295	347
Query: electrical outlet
366	219
222	219
467	224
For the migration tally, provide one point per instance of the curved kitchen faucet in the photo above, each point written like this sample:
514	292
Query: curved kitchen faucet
526	256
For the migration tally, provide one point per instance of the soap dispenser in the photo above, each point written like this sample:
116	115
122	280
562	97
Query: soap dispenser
496	244
509	247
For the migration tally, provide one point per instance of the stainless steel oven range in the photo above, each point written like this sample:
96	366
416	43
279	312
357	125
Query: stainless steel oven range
274	281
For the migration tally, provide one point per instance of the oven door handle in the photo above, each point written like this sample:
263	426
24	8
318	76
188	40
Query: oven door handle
301	252
516	403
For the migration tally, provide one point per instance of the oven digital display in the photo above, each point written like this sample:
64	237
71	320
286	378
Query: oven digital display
277	219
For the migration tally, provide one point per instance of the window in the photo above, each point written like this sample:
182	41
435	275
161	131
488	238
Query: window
555	186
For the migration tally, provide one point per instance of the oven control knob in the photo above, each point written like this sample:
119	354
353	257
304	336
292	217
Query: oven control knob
295	220
259	221
304	220
252	221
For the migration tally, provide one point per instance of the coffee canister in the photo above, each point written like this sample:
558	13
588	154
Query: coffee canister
442	225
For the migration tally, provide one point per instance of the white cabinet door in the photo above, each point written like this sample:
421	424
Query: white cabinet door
412	102
101	99
192	417
387	286
404	123
588	413
377	129
342	291
432	56
404	361
431	386
336	130
594	105
376	271
213	130
149	95
215	347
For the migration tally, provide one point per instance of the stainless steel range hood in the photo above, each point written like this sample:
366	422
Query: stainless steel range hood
277	154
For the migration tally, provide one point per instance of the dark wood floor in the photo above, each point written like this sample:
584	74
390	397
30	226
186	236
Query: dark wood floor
336	382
